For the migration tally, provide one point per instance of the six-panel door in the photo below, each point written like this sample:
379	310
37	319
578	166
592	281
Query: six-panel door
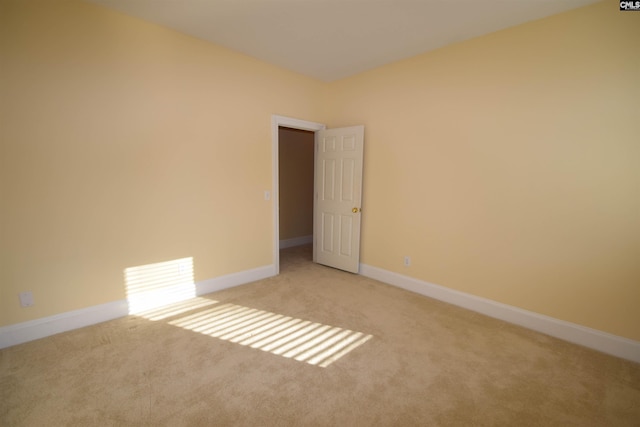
338	197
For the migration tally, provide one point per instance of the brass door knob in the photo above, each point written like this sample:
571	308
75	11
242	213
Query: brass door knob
355	210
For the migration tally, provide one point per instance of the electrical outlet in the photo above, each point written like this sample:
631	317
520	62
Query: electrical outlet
26	299
407	261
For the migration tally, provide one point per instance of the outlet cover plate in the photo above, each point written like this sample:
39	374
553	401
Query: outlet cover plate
26	299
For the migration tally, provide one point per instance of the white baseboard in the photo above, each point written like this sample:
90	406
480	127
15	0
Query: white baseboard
63	322
234	279
40	328
577	334
591	338
296	241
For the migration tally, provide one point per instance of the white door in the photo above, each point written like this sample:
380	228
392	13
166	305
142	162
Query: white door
338	196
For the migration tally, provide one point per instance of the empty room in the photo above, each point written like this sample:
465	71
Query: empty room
322	213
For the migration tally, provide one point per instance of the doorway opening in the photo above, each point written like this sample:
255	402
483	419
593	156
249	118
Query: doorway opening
296	174
293	125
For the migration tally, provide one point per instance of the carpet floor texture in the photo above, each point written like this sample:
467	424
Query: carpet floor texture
313	346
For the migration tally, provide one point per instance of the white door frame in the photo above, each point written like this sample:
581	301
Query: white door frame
276	122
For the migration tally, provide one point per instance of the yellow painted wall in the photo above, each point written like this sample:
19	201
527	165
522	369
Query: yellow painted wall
124	144
505	166
508	166
296	183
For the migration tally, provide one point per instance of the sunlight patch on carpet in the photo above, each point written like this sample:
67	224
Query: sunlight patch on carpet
297	339
166	311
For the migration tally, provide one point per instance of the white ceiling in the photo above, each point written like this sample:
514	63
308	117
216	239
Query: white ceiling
332	39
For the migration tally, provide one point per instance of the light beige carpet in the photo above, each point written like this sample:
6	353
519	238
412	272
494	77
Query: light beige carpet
425	363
